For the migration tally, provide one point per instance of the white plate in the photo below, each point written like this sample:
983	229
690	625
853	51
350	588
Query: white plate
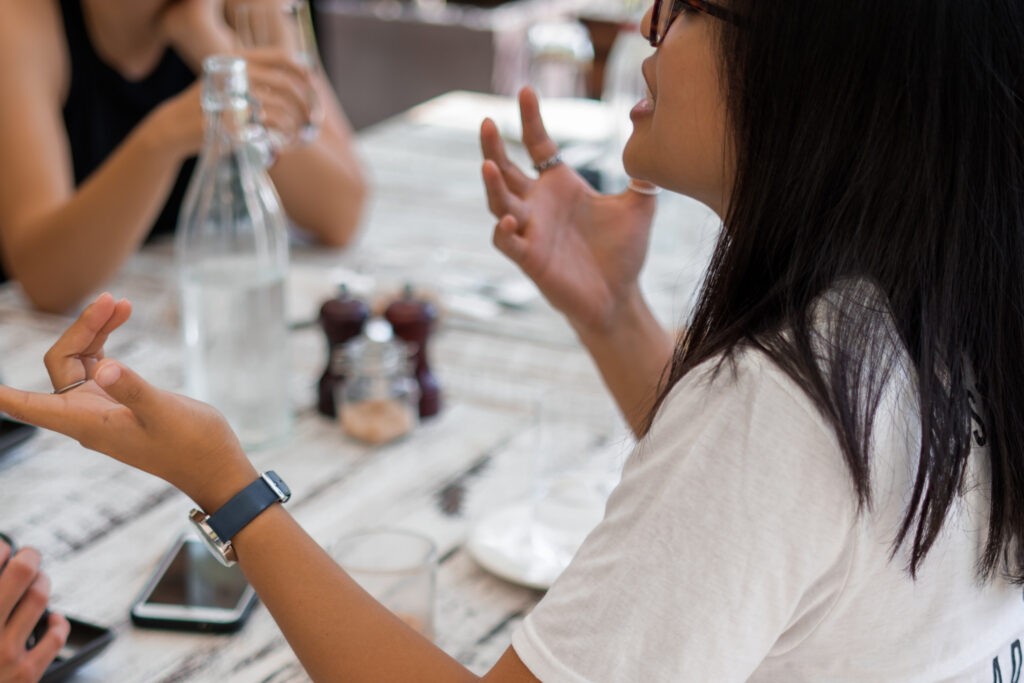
531	544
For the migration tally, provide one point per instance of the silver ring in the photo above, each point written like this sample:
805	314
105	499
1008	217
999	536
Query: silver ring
549	163
649	190
73	385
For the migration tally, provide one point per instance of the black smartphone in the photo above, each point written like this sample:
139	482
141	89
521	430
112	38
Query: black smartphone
192	591
13	432
84	642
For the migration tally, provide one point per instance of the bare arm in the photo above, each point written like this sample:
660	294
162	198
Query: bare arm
321	184
632	356
63	242
59	242
584	251
337	630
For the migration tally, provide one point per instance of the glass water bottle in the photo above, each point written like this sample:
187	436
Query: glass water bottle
232	253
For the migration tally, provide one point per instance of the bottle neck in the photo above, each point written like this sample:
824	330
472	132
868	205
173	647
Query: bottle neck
230	124
224	125
231	129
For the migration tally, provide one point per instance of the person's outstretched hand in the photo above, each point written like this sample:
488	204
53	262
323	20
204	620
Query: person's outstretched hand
584	250
180	440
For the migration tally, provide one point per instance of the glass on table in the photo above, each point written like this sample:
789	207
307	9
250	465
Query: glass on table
576	450
398	568
285	25
560	57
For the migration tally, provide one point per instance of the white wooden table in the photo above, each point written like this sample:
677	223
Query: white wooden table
101	527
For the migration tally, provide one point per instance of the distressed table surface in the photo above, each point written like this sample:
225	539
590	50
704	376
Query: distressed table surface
101	527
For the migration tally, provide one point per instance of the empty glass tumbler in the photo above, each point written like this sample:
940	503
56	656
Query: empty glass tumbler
561	55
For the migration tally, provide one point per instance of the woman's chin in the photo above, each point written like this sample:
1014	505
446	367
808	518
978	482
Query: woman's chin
633	159
636	168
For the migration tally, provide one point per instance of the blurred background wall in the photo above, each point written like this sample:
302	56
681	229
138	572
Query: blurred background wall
384	56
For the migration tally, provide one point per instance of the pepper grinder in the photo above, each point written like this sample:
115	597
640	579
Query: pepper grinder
412	320
341	318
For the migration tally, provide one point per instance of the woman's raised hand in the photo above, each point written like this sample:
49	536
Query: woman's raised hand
584	250
116	412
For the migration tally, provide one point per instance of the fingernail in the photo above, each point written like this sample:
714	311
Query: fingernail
108	374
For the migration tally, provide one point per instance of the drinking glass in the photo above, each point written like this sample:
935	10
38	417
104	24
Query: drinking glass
398	568
560	56
578	445
286	25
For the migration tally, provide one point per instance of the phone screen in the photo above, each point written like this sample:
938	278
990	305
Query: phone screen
194	578
13	432
9	426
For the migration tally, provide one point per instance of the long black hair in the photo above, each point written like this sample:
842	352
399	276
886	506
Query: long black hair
882	143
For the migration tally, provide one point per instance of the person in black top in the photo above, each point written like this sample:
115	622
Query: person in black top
99	116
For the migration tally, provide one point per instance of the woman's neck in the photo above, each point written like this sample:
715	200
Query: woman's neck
126	35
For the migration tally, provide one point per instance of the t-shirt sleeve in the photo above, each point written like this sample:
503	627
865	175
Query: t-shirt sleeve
731	527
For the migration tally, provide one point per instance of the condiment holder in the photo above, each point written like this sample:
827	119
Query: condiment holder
379	400
412	319
342	318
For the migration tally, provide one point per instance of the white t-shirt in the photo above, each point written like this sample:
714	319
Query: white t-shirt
732	550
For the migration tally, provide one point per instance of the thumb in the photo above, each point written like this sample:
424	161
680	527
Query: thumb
126	387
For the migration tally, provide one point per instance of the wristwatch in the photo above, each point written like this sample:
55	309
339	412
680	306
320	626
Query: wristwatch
218	529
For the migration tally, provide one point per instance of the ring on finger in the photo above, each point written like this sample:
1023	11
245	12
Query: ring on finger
69	387
549	163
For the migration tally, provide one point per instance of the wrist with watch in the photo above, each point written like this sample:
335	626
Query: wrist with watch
217	529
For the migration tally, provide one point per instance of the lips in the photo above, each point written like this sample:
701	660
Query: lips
645	106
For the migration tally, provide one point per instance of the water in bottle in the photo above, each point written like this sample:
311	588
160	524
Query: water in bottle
232	255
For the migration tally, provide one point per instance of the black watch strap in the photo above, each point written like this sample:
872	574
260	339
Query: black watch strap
235	514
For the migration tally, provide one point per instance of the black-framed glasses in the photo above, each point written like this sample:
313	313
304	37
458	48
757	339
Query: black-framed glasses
665	12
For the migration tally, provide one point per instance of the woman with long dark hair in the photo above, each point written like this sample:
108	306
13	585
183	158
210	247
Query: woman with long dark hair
829	481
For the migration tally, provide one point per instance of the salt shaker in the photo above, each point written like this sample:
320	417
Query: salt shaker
342	318
379	399
412	320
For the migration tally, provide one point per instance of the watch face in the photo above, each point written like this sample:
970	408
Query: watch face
222	551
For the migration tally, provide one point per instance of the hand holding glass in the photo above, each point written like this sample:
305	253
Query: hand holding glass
286	26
